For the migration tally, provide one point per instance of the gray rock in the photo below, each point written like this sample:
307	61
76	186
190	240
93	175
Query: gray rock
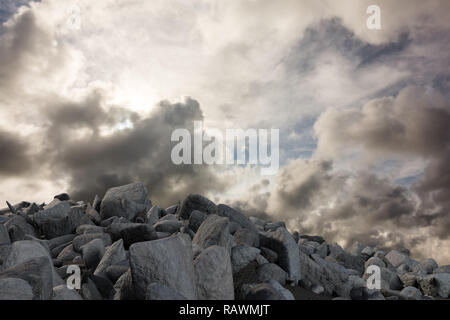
375	261
89	291
82	239
285	293
264	291
172	209
213	273
408	279
403	268
241	256
196	219
153	215
56	242
168	217
15	289
4	236
168	261
92	252
270	255
412	293
124	287
356	249
88	228
213	231
282	242
93	214
261	260
131	232
389	279
270	271
159	291
125	201
347	260
18	228
162	235
236	217
368	251
317	239
67	254
37	273
115	271
259	223
425	267
169	226
247	237
397	258
442	269
195	202
115	253
61	292
272	226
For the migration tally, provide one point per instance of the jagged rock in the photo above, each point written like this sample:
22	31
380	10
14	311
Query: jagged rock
18	228
374	261
131	232
168	217
261	260
403	268
272	226
153	215
187	231
368	252
171	210
411	293
213	271
270	255
196	219
168	261
125	201
236	217
317	239
61	292
169	226
282	242
124	287
425	267
93	214
435	284
213	231
195	202
82	239
15	289
104	286
115	253
96	203
88	228
285	293
241	256
92	252
89	291
37	273
4	236
247	237
115	271
347	260
159	291
408	279
270	271
56	242
397	258
259	223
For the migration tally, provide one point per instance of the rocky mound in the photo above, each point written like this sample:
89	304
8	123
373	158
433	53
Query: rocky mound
127	248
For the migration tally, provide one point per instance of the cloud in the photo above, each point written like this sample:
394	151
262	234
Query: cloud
14	158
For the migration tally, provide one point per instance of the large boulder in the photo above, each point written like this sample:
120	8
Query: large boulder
247	237
236	217
159	291
4	236
168	226
195	202
397	258
15	289
126	201
82	239
213	231
168	261
282	242
214	278
92	253
264	291
196	219
435	284
442	269
18	228
425	267
271	271
37	273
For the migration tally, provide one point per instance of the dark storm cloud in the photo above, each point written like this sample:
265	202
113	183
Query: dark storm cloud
138	151
14	158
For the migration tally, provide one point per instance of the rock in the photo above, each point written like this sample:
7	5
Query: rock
131	232
104	286
425	267
270	271
317	289
247	237
4	236
56	242
172	209
196	219
93	214
270	255
356	249
213	273
403	268
261	260
92	252
82	239
347	260
195	202
408	279
213	231
124	287
397	258
169	226
113	255
62	197
115	271
88	228
168	261
18	228
368	251
236	217
389	279
61	292
89	291
153	215
272	226
159	291
187	231
96	203
442	269
264	291
162	235
37	273
374	261
435	285
412	293
168	217
125	201
259	223
282	242
241	256
317	239
286	294
67	254
15	289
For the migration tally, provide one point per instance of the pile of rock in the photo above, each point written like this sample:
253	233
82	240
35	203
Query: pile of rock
127	248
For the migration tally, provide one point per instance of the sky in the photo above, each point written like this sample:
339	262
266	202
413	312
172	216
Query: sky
90	92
